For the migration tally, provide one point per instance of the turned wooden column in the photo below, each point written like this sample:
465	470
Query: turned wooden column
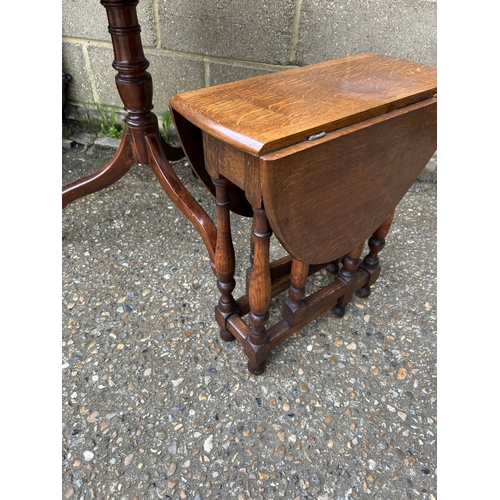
333	267
297	288
259	286
350	264
135	87
224	258
133	82
371	262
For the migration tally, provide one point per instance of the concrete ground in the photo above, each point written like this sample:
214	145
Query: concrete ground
156	405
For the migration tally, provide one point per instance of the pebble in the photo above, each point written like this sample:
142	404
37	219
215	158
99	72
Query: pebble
402	374
177	382
315	479
88	455
208	444
128	459
172	483
69	492
93	416
171	469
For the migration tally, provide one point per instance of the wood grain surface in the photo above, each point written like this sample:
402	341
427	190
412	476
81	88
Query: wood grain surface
265	113
325	197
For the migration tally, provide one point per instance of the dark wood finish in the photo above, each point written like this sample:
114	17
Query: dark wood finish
323	153
350	264
361	163
297	289
135	87
193	148
371	262
181	197
113	171
333	267
142	141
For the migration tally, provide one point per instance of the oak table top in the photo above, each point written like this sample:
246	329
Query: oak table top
330	145
265	113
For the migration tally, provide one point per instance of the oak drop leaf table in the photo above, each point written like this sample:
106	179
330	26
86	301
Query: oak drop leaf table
320	155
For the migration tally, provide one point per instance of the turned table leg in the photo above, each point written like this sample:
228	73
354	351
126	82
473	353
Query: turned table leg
259	289
350	264
333	267
224	258
113	171
371	262
297	288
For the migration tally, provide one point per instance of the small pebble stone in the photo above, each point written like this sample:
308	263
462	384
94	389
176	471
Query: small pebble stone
208	444
171	469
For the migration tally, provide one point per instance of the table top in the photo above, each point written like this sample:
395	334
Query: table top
263	114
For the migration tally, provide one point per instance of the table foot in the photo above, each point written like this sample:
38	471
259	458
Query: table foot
338	311
226	335
114	170
363	292
256	368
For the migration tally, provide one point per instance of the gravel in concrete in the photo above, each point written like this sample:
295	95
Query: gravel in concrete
156	405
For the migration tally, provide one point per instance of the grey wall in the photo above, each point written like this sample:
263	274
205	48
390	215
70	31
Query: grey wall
196	43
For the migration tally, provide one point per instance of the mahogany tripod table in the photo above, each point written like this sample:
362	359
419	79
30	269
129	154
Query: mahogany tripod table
319	155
